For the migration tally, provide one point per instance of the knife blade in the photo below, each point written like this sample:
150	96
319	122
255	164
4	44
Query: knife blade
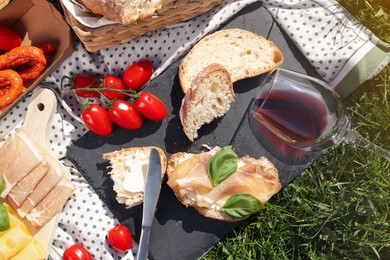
151	194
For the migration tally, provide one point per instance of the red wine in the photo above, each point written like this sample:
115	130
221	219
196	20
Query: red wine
294	116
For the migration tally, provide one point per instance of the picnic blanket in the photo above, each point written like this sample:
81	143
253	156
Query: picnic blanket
342	51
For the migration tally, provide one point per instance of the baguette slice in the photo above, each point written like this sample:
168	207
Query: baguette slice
209	98
130	165
243	53
180	182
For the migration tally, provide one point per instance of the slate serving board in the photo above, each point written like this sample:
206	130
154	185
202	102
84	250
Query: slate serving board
179	232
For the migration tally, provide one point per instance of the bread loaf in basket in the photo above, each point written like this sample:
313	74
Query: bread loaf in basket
125	11
135	18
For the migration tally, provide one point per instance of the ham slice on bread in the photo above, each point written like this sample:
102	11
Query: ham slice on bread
188	178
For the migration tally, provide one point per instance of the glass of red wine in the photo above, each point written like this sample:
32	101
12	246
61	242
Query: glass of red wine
297	117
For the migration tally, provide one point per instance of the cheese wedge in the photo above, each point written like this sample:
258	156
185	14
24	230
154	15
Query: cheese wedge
14	241
33	251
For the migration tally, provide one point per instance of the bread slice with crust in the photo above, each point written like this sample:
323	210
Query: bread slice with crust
183	195
123	11
244	54
130	164
3	3
209	98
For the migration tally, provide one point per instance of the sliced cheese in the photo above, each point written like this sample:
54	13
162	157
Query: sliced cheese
14	241
33	251
13	221
13	218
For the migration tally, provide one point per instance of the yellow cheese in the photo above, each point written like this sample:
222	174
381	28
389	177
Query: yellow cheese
33	251
14	241
10	209
13	221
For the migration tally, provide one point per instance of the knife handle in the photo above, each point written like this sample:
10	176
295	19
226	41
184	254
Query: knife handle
143	244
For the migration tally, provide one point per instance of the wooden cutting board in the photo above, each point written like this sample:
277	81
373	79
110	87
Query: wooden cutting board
37	125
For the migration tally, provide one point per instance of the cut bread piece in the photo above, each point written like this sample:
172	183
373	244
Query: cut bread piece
244	54
189	180
209	98
124	11
128	171
3	3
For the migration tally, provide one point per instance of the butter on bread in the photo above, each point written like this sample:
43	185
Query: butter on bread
187	177
209	98
244	54
128	171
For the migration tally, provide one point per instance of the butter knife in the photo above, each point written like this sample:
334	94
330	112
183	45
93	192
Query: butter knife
151	194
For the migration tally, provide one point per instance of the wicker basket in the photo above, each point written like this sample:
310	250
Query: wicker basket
170	13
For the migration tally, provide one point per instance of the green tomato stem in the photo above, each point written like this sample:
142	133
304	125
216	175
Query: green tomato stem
129	92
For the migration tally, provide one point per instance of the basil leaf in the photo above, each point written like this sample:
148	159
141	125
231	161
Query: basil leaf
222	165
1	184
241	205
4	218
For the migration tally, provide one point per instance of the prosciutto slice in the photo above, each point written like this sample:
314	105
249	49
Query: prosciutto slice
7	152
251	179
27	185
23	159
192	173
254	177
48	182
51	204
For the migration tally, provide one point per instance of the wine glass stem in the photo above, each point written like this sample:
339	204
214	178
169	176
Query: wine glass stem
353	137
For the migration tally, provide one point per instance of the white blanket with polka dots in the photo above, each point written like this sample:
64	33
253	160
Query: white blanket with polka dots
342	51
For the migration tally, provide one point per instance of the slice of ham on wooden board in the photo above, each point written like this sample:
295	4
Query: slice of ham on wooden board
36	184
27	185
25	157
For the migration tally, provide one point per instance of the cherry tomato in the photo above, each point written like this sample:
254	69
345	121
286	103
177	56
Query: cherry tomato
138	74
150	106
9	39
114	83
119	237
76	252
48	48
96	118
85	81
125	115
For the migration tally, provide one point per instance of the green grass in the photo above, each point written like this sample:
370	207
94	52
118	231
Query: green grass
339	208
